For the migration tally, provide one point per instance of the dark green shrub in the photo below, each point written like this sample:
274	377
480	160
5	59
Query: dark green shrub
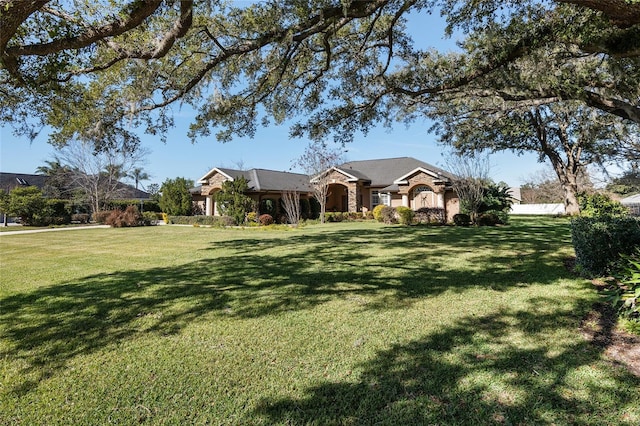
462	219
389	215
624	295
267	206
80	218
305	208
265	219
217	221
488	219
314	206
427	215
405	215
599	241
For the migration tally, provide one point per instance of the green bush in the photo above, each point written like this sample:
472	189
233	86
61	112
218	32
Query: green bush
305	209
405	215
377	212
149	218
314	206
599	241
462	219
489	218
217	221
600	205
625	295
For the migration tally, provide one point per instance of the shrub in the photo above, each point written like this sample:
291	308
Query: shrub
377	212
314	206
389	215
625	296
265	219
488	219
462	219
130	217
405	215
599	241
58	212
252	217
305	208
600	205
149	218
218	221
80	218
101	216
430	215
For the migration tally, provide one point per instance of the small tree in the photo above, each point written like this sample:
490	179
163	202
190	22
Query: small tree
4	205
176	198
315	161
291	205
233	201
27	203
472	177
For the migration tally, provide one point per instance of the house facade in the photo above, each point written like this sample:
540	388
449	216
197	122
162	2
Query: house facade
361	185
355	186
263	184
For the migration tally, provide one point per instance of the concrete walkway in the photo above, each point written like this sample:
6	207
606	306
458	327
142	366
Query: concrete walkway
35	231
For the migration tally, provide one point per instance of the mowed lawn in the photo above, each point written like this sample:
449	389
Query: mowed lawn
355	323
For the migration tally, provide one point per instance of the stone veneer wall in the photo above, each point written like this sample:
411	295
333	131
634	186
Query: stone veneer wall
214	182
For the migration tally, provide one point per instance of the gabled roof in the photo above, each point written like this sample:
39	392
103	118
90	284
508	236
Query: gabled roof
387	171
265	180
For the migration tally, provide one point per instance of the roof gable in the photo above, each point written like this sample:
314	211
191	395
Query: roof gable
386	171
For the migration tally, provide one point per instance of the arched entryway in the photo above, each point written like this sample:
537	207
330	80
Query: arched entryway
211	208
337	198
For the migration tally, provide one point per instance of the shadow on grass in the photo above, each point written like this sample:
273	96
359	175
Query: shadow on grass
389	268
474	373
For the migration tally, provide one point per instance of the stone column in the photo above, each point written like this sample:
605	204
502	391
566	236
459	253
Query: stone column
405	200
208	210
441	199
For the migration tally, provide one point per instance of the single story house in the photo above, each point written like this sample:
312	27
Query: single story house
355	186
9	181
262	184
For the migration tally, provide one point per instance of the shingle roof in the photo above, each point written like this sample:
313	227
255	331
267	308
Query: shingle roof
386	171
268	180
8	181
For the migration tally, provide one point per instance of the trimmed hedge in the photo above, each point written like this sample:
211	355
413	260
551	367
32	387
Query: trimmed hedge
405	215
201	220
599	242
462	219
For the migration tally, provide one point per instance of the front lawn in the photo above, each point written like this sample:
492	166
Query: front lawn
330	324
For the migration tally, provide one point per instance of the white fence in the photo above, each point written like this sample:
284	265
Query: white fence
549	209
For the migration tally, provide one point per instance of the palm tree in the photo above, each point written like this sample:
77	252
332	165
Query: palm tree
58	183
139	175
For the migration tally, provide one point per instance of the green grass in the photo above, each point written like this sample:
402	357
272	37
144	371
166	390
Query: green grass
329	324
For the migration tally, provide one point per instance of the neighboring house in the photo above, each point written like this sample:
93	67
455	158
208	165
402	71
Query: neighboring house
515	194
8	181
633	203
262	184
355	186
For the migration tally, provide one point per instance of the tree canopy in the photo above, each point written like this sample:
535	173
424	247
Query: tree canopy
98	70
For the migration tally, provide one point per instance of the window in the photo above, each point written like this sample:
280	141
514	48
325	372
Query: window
378	197
423	196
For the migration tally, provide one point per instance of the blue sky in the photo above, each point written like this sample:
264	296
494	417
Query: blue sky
271	147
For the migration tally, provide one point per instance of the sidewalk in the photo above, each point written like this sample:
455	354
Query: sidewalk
34	231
